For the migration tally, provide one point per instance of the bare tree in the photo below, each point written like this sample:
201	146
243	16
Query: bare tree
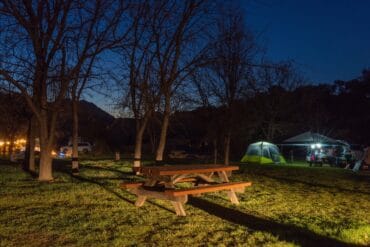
41	58
78	85
138	55
159	59
273	103
105	32
179	51
233	55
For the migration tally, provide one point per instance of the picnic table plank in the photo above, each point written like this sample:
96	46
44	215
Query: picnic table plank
184	169
204	189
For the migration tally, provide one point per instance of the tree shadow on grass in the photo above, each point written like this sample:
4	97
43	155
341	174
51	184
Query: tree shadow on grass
111	191
65	167
289	233
97	168
102	185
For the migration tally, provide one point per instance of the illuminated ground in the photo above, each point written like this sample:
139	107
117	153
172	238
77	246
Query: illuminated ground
285	206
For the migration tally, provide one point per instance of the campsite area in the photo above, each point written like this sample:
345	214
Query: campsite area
287	205
184	123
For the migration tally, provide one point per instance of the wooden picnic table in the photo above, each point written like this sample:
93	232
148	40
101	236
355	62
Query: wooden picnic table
160	183
170	175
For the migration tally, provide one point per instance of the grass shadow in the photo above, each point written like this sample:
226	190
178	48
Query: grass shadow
65	167
111	191
97	168
102	185
289	233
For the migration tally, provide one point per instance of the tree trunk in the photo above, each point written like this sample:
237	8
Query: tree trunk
4	149
75	166
117	156
227	148
139	141
215	151
153	140
45	171
138	147
29	156
163	136
25	165
11	145
31	144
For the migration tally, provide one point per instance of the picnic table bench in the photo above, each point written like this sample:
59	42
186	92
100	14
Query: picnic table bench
161	183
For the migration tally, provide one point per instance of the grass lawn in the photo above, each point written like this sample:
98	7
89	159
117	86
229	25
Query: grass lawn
286	206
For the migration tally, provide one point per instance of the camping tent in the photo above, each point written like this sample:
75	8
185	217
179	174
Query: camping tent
263	153
333	152
309	137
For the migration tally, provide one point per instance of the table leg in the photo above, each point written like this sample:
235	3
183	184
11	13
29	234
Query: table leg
179	208
151	182
223	176
140	201
231	193
232	196
169	185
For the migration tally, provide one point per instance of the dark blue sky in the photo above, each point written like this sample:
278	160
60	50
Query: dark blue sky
328	39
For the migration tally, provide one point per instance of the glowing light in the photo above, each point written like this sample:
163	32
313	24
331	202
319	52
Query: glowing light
2	143
313	146
318	145
53	153
20	141
7	143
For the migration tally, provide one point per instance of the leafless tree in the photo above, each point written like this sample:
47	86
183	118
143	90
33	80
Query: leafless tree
233	57
178	51
107	31
272	103
163	52
40	59
139	71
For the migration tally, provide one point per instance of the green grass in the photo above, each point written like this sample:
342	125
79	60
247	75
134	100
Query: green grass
286	206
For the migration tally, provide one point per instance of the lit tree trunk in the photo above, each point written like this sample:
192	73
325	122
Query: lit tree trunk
227	148
139	141
45	171
138	147
75	166
47	131
117	156
163	136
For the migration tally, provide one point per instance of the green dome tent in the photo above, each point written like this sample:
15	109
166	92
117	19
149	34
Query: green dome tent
263	153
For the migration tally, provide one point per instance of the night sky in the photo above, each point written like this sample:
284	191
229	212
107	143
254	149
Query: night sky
328	39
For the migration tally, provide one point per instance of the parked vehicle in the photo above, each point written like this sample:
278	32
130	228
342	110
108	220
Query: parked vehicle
178	154
316	156
83	147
